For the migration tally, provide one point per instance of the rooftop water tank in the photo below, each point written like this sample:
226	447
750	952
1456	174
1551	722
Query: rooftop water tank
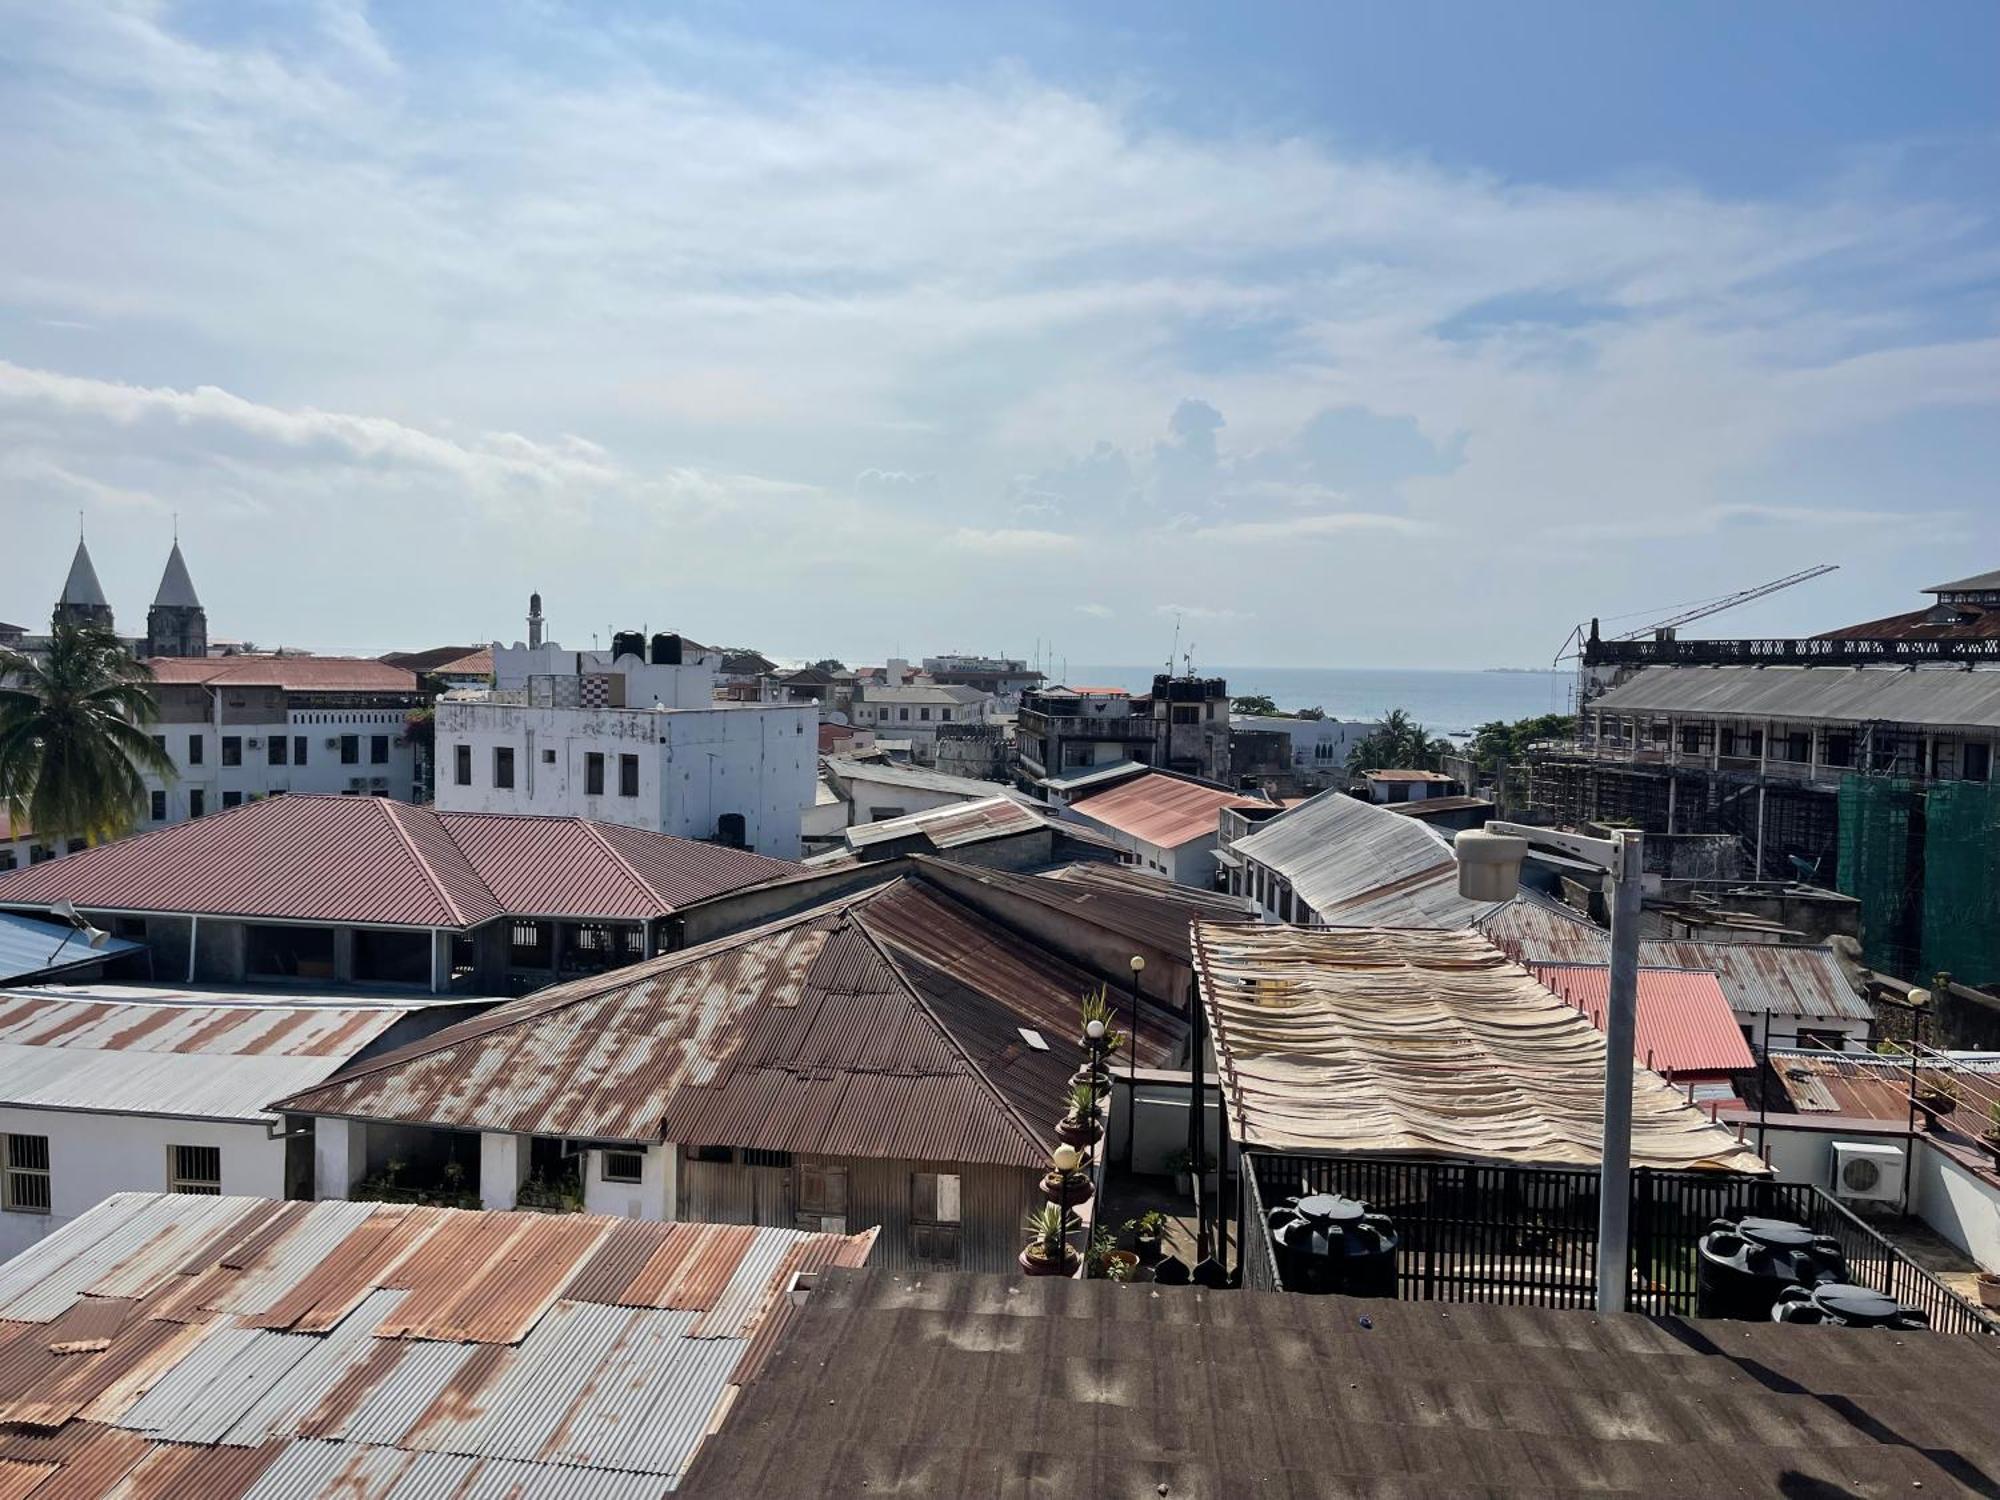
1326	1243
628	643
1842	1305
1742	1266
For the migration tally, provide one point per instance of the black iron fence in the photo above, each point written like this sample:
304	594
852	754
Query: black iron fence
1527	1236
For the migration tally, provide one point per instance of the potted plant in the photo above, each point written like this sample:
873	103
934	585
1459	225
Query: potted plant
1066	1182
1181	1164
1147	1231
1048	1251
1989	1289
1081	1126
1993	1126
1938	1096
1104	1261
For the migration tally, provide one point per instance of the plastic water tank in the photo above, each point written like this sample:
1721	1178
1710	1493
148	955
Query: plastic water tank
1843	1305
1744	1265
628	643
1326	1243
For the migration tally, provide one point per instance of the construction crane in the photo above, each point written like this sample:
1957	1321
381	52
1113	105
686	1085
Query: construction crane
1699	611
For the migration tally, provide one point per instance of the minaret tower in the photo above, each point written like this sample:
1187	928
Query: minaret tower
534	621
176	625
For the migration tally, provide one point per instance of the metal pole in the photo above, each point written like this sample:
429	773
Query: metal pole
1614	1193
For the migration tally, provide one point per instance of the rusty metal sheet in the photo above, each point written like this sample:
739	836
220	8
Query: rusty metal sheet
19	1480
649	1284
498	1298
365	1259
715	1259
178	1472
94	1465
616	1262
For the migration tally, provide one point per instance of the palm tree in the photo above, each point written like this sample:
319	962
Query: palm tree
1399	744
72	738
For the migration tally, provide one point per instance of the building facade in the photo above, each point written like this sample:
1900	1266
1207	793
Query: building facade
632	736
1182	725
1004	678
916	712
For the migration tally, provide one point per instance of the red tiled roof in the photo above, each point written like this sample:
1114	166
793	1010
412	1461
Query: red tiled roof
299	674
373	860
1161	810
1684	1021
884	1025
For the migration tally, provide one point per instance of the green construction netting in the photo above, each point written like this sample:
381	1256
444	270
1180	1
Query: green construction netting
1961	918
1876	814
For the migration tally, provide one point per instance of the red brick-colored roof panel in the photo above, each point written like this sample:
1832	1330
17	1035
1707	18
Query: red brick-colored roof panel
297	674
1164	811
1684	1021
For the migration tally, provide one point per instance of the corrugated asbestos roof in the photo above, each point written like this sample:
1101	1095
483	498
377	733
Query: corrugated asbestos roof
206	1061
957	825
1940	697
298	674
387	863
884	1024
163	1346
1158	809
29	947
989	1386
1409	1043
1784	979
1359	865
1684	1021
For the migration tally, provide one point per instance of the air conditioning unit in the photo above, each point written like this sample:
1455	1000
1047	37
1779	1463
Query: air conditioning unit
1864	1172
333	742
256	744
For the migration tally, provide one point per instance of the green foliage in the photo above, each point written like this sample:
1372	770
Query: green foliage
420	728
73	743
561	1194
1254	703
1152	1223
1315	713
1048	1226
1400	744
1498	744
1083	1100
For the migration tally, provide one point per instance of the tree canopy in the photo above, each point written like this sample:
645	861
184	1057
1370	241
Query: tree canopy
1500	744
1258	704
73	745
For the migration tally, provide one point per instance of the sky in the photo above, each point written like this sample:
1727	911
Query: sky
1343	335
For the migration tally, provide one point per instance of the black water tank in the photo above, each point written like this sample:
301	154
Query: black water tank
1326	1243
628	643
1842	1305
1743	1265
666	650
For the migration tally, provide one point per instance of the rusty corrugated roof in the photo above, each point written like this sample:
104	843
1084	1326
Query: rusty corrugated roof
1160	809
1684	1021
385	863
295	674
343	1348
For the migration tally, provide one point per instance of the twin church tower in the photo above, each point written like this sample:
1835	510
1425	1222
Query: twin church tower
176	625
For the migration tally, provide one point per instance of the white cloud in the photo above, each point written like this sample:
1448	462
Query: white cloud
1202	612
1096	611
1295	528
1014	541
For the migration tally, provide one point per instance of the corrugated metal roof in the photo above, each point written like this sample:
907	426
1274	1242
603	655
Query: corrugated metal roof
1359	865
583	1398
887	773
1684	1021
1785	979
207	1061
1146	910
297	674
1414	1043
1940	697
882	1024
377	861
29	947
1158	809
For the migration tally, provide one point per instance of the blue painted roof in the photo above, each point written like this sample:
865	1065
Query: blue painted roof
29	947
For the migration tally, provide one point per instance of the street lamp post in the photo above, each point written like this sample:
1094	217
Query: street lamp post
1132	1067
1489	869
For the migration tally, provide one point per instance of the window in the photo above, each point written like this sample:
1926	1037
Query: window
378	749
822	1196
934	1217
731	830
1798	747
350	749
194	749
195	1169
160	743
1977	763
197	802
622	1166
593	774
754	1156
628	775
27	1182
159	807
721	1156
944	716
503	765
1838	750
461	764
903	714
232	799
1830	1041
298	749
530	945
924	714
275	748
1690	739
232	749
548	757
273	952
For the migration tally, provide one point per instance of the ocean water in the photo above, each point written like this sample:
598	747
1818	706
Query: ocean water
1446	703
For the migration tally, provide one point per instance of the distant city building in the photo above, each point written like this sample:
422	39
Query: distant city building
916	712
176	625
1003	677
1409	786
1315	747
632	735
1182	725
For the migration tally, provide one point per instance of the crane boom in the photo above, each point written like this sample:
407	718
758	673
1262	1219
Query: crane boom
1728	601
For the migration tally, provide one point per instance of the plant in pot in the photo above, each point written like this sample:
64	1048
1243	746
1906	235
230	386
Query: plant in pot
1104	1261
1989	1289
1147	1231
1181	1164
1066	1182
1993	1125
1081	1126
1938	1096
1048	1251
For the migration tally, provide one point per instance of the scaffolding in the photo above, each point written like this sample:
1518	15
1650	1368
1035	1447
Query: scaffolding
1881	822
1961	908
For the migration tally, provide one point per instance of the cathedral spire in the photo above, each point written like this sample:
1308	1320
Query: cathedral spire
82	600
176	625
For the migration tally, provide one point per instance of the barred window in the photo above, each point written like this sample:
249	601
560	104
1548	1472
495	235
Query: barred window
622	1166
755	1157
194	1169
27	1177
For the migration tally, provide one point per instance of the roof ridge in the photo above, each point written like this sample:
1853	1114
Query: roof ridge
1007	1108
590	828
388	806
